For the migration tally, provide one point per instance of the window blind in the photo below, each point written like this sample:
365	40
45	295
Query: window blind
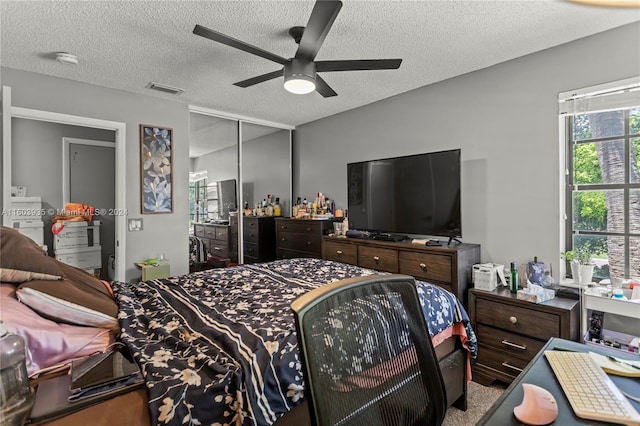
623	94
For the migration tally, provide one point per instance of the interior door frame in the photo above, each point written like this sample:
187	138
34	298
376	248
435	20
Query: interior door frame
9	111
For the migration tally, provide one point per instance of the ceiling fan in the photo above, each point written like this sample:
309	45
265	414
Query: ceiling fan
300	72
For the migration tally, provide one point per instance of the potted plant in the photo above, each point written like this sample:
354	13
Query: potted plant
581	266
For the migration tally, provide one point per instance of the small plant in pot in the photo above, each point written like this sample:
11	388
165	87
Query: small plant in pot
581	266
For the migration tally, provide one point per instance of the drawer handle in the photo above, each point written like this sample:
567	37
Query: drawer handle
217	248
513	320
513	345
339	252
423	266
308	243
251	235
308	229
506	364
283	227
376	258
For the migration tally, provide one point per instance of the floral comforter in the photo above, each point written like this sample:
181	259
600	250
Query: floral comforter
219	347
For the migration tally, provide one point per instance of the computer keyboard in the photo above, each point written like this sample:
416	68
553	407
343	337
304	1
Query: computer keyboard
590	391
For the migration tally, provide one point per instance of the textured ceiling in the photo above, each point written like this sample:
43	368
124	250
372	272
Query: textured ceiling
126	45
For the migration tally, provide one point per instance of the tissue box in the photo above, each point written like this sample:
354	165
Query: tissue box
547	294
485	275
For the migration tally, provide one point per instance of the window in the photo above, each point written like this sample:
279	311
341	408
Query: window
603	179
197	198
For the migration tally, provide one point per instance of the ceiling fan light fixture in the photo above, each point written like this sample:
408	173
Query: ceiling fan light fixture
300	77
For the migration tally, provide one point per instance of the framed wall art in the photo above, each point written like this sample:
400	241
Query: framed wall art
156	189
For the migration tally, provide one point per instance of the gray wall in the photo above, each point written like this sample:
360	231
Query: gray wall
165	232
505	120
265	169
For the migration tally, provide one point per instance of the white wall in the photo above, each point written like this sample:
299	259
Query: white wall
505	120
165	232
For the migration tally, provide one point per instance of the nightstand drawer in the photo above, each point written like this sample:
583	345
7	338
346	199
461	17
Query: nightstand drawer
378	258
537	324
501	361
340	252
516	344
429	267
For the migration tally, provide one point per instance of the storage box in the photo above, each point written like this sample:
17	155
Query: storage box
485	275
32	229
547	294
77	234
81	257
25	208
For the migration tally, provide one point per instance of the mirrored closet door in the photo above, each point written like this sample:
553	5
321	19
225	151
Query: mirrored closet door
265	154
213	186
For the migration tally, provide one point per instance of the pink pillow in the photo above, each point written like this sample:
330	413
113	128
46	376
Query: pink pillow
49	344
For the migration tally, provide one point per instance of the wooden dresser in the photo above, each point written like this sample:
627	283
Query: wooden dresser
301	237
510	331
259	239
449	267
217	238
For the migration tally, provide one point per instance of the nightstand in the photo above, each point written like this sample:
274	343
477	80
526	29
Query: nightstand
510	331
154	272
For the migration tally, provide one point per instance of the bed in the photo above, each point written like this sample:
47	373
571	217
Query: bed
219	346
215	347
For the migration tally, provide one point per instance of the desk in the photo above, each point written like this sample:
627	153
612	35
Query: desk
538	372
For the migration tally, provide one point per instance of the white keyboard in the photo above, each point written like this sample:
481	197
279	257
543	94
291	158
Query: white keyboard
590	391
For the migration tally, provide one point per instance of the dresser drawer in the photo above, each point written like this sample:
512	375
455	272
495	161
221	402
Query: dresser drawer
501	361
210	232
340	252
536	324
303	242
428	267
222	233
250	249
251	234
292	254
378	258
515	344
299	226
218	249
199	230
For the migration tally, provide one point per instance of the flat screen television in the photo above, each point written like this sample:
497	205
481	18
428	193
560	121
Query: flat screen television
415	194
222	200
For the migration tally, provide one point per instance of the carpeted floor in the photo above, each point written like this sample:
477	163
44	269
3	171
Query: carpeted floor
479	400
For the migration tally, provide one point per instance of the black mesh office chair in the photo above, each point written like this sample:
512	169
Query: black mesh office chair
367	355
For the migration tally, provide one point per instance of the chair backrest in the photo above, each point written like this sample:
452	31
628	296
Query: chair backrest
367	355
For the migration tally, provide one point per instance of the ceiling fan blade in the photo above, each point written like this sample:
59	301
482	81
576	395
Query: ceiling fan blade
320	22
259	79
230	41
323	88
358	65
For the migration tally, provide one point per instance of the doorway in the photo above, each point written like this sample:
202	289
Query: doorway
89	178
9	112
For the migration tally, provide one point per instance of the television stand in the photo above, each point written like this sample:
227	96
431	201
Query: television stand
455	240
383	236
